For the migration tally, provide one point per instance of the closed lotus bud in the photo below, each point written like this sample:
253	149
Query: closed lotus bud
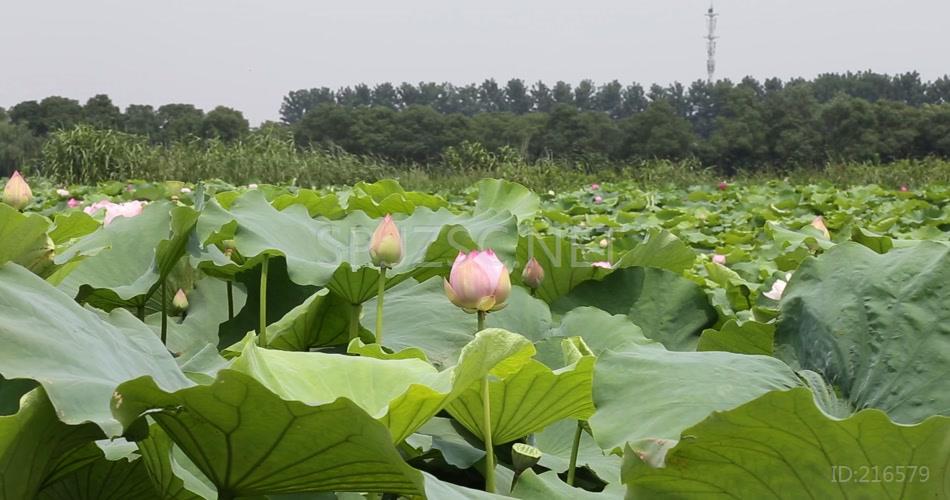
17	192
229	248
478	282
723	186
385	247
603	243
180	301
533	274
719	259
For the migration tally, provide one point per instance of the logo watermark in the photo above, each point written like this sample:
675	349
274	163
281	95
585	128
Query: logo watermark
880	474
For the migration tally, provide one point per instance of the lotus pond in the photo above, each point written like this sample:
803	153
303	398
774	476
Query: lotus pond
172	341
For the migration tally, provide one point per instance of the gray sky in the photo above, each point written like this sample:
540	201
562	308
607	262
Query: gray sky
247	54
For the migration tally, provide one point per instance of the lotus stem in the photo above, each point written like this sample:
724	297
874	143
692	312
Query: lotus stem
486	423
572	466
355	310
230	300
140	312
379	305
164	314
262	330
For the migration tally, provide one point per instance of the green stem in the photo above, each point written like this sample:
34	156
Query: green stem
379	305
140	312
355	310
262	330
372	496
230	300
486	423
164	314
572	466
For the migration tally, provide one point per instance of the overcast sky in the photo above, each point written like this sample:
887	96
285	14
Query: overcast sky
247	54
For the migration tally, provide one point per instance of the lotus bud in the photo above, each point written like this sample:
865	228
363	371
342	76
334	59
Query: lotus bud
778	288
533	274
252	186
603	243
185	190
551	192
723	186
719	259
385	247
180	301
595	186
72	203
819	224
904	188
598	199
17	192
478	282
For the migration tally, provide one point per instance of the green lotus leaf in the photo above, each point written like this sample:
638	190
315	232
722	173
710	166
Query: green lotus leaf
648	392
751	337
669	308
401	393
24	239
168	476
85	354
316	322
443	490
782	446
556	441
548	486
247	440
875	325
526	397
564	263
71	226
35	447
122	264
499	194
102	477
662	250
317	205
419	315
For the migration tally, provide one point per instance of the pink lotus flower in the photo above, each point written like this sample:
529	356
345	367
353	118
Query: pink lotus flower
723	186
819	224
778	287
113	210
533	274
17	192
904	188
603	264
595	186
180	300
385	247
478	282
719	259
598	199
72	203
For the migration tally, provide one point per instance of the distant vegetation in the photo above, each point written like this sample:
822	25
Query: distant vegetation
744	128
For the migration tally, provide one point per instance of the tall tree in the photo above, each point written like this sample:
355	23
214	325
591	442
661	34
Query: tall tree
224	123
101	113
180	121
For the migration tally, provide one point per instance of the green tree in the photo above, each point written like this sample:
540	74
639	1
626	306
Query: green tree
657	132
516	96
297	103
542	97
848	127
101	113
224	123
180	121
142	119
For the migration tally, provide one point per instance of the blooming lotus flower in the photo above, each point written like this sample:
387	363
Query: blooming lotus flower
598	199
478	282
595	186
904	188
778	287
533	274
819	224
723	186
180	301
719	259
17	192
113	210
72	203
602	263
62	193
385	247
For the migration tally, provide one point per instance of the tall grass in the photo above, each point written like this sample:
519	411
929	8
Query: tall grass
86	156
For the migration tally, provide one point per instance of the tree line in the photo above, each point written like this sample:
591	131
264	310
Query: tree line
861	116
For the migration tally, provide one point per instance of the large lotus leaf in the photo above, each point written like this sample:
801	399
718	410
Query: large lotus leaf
669	308
458	447
78	355
402	393
564	264
556	442
316	322
317	205
436	489
548	486
875	325
315	249
648	392
33	443
388	197
207	310
10	393
498	194
102	478
527	397
781	446
70	226
600	330
419	315
158	456
124	262
24	239
751	337
248	441
662	250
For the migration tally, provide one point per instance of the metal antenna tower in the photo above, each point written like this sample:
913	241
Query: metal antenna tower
711	37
